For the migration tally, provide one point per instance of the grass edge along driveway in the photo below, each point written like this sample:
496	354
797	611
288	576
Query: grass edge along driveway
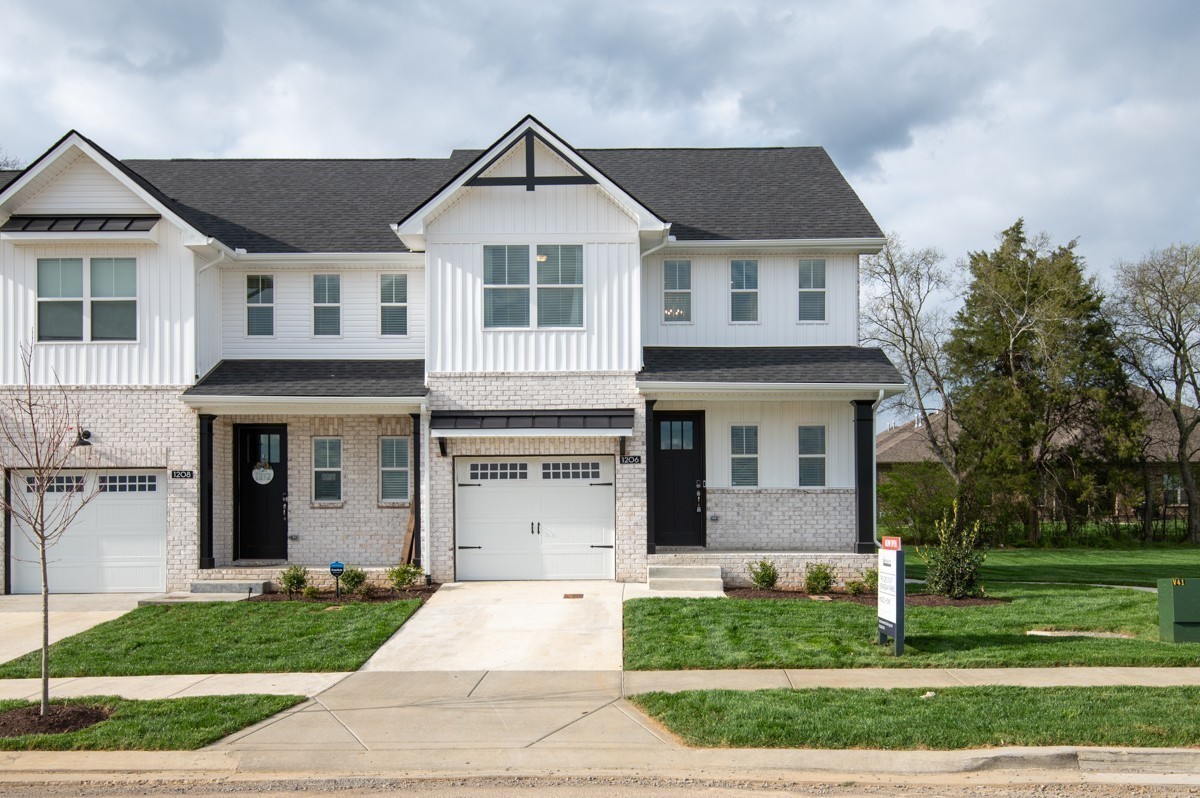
719	633
169	724
224	637
951	718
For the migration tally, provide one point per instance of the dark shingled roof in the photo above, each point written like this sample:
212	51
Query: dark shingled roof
7	176
768	364
336	378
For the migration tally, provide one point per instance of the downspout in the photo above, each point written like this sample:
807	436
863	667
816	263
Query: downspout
875	473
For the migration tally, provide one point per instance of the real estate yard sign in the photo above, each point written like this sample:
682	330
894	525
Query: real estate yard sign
891	593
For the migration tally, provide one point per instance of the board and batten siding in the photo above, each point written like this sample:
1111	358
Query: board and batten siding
778	303
610	339
164	352
778	438
360	336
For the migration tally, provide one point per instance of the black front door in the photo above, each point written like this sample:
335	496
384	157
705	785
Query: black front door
260	504
678	479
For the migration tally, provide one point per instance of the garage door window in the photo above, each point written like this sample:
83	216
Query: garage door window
128	483
585	470
59	484
327	469
499	471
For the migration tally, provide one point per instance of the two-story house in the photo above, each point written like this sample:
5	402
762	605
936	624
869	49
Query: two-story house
531	361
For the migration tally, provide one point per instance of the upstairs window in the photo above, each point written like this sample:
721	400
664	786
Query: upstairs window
560	266
506	286
812	290
99	304
393	304
677	291
260	304
743	446
327	304
812	457
393	469
743	291
327	469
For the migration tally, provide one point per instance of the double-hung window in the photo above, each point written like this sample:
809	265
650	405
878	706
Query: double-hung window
327	304
260	304
812	290
560	285
393	469
812	457
97	305
743	446
327	469
743	291
393	304
506	286
677	291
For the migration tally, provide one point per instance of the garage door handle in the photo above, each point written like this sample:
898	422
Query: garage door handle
460	548
598	484
531	527
601	547
539	527
469	485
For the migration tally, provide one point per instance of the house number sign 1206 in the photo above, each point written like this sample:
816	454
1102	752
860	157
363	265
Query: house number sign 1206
631	459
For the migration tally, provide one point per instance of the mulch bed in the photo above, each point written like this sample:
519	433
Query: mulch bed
910	599
62	718
380	596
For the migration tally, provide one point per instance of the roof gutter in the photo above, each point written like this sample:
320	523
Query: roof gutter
868	246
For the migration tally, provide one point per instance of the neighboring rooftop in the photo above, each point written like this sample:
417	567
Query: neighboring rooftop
768	364
313	378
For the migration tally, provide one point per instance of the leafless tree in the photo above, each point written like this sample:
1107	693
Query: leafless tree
904	314
7	161
47	476
1156	312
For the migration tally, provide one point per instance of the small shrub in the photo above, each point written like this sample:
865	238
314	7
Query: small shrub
404	576
818	578
856	587
352	579
952	566
764	574
366	591
294	579
311	591
871	580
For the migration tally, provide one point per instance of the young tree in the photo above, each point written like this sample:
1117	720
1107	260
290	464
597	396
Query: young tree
1156	311
904	314
47	486
1037	382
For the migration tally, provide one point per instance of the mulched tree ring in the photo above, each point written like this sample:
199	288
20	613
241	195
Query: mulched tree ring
910	600
61	718
380	596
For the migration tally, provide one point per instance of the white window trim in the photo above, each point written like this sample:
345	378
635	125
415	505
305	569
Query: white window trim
87	300
407	469
662	315
341	469
729	294
756	456
312	286
825	291
824	457
246	305
382	305
533	286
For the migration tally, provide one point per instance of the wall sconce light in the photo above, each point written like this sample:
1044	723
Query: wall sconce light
82	439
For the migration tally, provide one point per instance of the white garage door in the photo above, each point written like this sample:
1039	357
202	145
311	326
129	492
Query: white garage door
535	518
118	543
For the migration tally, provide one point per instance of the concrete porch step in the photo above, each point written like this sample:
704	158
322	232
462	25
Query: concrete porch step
230	586
684	572
686	585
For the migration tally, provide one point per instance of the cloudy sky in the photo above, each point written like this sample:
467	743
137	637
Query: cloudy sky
951	119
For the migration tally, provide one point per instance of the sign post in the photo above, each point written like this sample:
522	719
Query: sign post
336	569
891	594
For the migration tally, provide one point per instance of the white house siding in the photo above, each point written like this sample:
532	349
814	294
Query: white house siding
83	186
360	530
208	308
610	339
164	353
294	337
538	391
778	302
148	427
545	163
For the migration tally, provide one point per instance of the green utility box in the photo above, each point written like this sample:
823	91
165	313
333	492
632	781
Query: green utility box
1179	610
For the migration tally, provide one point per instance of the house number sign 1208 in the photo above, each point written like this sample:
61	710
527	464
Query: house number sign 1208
183	475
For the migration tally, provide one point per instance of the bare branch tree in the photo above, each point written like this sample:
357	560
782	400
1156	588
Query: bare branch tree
47	474
1156	312
7	161
904	315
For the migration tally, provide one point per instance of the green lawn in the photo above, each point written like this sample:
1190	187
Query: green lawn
957	717
224	637
175	724
1138	566
676	634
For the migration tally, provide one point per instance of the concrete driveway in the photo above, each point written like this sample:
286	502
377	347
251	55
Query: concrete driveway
21	618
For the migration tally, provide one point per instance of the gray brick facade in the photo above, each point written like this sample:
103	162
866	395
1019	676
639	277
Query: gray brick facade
781	519
735	565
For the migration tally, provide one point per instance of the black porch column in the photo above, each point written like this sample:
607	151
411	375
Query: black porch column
864	474
206	492
650	476
416	492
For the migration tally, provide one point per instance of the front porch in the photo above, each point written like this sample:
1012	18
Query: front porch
735	563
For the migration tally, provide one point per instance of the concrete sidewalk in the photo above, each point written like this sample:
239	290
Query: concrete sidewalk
147	687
